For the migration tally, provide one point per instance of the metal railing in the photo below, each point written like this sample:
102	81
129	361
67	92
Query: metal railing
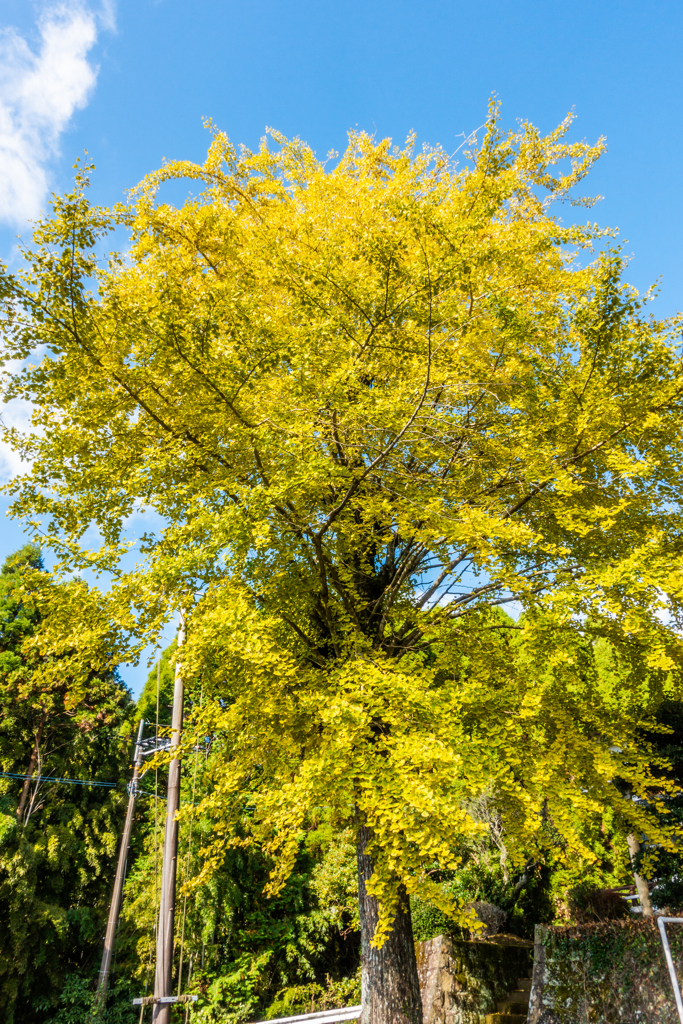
662	923
320	1017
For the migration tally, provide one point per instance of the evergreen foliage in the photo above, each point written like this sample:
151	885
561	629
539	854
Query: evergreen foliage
242	950
56	855
161	678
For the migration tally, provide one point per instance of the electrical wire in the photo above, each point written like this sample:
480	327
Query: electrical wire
64	782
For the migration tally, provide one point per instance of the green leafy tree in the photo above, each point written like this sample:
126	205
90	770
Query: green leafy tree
57	842
159	681
243	952
664	867
18	620
371	400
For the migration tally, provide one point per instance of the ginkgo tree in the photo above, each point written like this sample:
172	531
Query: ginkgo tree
371	400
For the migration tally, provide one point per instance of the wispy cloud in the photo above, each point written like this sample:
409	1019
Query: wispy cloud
39	92
17	415
14	415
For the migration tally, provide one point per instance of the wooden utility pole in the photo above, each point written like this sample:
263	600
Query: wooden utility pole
117	895
163	980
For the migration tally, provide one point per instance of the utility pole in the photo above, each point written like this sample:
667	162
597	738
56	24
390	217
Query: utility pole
163	980
117	895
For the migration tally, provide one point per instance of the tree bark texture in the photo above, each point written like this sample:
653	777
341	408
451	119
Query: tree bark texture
642	887
31	768
390	985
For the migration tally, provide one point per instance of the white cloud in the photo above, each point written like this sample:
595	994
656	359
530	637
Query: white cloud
39	93
17	415
14	415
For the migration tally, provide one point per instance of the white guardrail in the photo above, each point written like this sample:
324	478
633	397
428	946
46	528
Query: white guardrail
321	1017
662	922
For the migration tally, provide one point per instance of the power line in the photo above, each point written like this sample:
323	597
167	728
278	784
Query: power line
54	778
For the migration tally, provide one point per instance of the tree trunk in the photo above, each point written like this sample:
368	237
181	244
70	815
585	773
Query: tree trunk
641	884
390	986
31	768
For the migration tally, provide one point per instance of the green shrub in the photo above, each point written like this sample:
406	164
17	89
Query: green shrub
310	998
589	904
669	893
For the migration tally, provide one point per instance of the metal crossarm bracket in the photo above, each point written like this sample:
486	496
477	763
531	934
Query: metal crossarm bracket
662	922
151	1000
154	744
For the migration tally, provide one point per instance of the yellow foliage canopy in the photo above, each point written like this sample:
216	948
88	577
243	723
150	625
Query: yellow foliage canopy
369	401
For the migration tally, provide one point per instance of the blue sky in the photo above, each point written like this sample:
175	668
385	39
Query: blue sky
130	82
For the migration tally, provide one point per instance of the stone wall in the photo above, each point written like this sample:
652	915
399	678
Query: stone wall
463	982
613	972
